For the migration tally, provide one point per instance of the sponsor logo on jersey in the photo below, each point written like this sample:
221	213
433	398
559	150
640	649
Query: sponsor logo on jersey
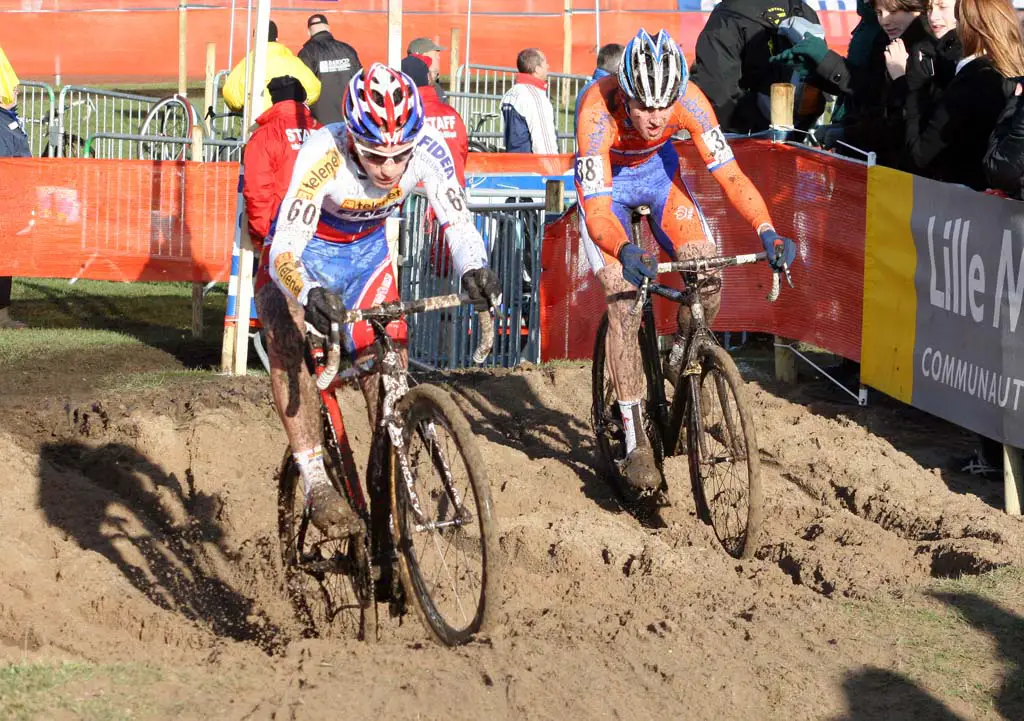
393	196
289	274
335	66
440	152
321	172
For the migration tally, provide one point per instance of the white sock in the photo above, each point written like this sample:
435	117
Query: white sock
311	467
630	418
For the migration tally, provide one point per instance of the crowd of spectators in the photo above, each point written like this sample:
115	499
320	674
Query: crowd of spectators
931	87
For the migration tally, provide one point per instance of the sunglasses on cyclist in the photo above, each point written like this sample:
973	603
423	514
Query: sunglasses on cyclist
377	158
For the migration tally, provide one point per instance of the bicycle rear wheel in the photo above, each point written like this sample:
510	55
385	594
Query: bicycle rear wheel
725	466
444	526
607	419
329	581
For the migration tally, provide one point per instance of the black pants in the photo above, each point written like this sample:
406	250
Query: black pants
5	291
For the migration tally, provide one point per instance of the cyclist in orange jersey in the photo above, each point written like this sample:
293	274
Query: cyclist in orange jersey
624	159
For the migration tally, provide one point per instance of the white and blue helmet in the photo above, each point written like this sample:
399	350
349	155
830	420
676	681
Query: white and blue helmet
653	70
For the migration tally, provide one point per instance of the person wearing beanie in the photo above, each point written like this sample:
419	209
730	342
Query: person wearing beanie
442	116
333	62
271	151
280	62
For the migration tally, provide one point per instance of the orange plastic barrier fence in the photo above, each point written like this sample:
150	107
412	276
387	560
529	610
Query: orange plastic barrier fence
813	197
116	219
79	46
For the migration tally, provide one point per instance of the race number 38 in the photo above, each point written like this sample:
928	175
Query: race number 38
301	211
590	174
717	146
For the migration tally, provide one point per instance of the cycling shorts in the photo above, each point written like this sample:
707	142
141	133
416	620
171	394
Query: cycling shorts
359	272
676	217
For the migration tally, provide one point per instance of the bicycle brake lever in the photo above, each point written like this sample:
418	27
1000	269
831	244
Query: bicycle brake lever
641	297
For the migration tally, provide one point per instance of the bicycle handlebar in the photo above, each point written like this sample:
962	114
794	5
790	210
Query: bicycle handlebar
396	309
703	265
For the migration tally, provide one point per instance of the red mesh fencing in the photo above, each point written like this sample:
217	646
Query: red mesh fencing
117	219
816	198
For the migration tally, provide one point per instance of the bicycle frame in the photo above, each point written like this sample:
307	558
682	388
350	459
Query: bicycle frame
669	418
393	379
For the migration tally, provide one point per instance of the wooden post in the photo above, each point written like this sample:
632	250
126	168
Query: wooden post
782	117
1013	479
453	60
239	361
782	109
182	47
211	73
199	156
395	34
566	50
554	197
785	361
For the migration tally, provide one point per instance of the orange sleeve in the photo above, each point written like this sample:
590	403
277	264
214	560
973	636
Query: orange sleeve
698	117
595	134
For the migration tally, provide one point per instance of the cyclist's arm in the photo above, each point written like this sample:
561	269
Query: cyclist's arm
316	166
435	168
698	117
595	133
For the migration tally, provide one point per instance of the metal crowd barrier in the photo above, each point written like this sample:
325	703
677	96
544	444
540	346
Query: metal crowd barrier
223	125
479	88
85	112
512	233
36	107
125	146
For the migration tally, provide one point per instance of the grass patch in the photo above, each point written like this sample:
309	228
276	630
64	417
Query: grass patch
37	343
156	314
93	693
960	639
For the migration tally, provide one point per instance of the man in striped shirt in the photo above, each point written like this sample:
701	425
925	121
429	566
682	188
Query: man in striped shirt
526	108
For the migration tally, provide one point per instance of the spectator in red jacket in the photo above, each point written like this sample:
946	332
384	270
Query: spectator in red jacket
271	151
442	116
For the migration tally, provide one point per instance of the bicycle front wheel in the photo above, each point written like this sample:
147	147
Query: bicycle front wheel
725	466
444	525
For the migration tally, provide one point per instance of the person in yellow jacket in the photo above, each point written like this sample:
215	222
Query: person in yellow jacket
280	62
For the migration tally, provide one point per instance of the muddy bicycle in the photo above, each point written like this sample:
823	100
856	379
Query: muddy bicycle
426	497
707	418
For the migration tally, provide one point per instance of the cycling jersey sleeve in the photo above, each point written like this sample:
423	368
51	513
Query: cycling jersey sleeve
595	134
435	168
698	117
316	166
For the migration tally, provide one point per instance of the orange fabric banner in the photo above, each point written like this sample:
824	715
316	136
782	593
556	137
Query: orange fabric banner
43	44
117	219
816	198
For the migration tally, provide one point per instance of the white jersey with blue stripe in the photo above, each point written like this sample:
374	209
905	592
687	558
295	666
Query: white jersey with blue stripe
331	197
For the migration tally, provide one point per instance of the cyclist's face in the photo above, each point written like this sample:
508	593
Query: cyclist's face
384	171
649	122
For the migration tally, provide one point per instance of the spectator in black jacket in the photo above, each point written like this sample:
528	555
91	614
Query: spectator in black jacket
872	101
334	63
927	67
950	143
1004	161
732	61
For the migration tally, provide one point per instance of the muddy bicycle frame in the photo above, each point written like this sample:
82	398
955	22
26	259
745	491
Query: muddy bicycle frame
696	274
386	362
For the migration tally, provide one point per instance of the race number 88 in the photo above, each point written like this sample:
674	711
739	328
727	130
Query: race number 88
590	171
